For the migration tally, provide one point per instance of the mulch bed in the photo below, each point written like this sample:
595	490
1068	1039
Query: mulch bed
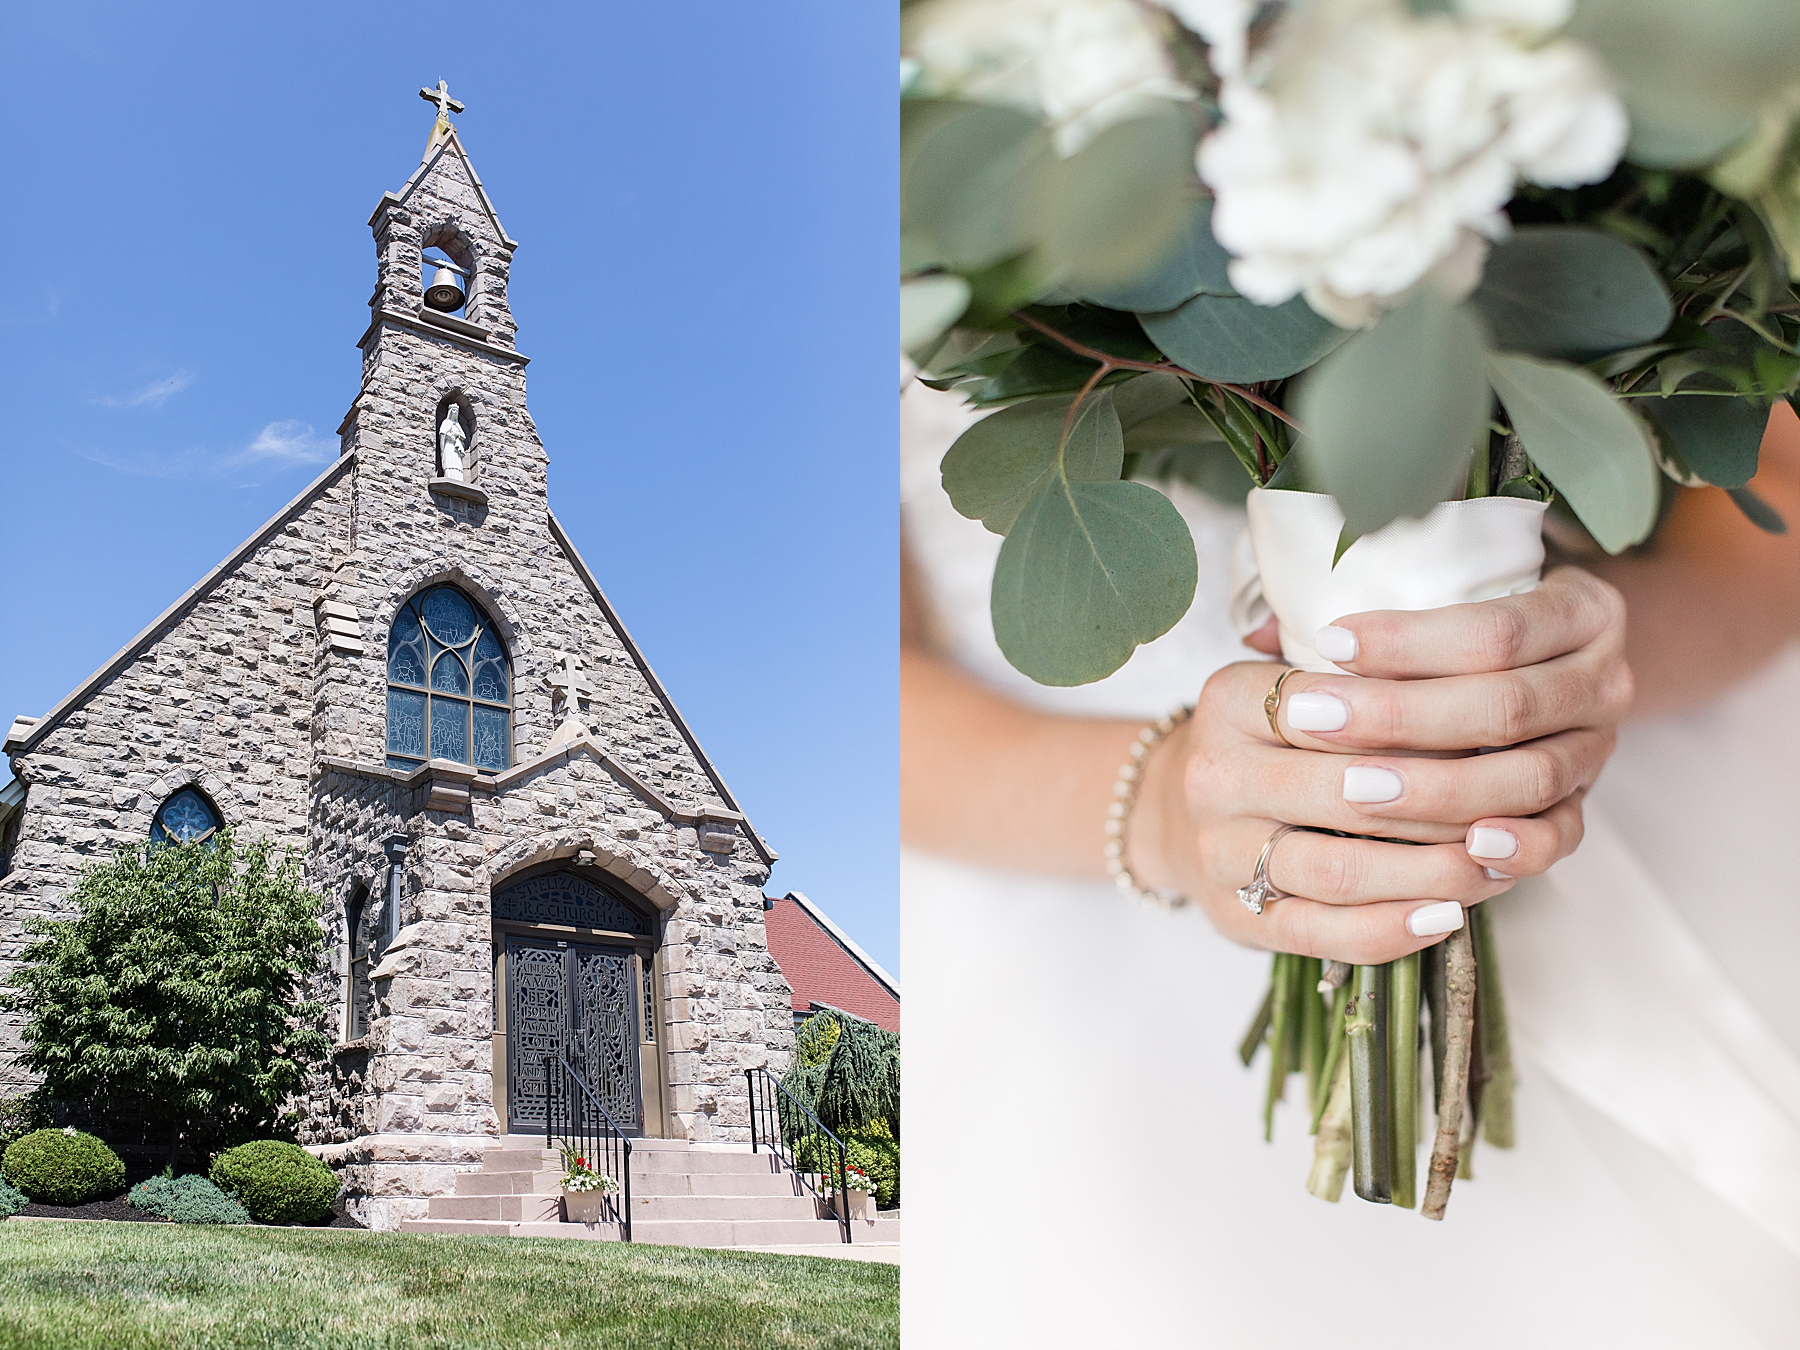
120	1211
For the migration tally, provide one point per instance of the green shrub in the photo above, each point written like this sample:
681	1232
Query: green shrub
62	1167
277	1182
189	1199
12	1200
872	1150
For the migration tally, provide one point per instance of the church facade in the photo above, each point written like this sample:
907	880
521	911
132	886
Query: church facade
410	676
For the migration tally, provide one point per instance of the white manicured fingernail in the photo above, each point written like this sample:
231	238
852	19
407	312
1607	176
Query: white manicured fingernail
1368	784
1485	842
1429	920
1492	875
1335	644
1317	712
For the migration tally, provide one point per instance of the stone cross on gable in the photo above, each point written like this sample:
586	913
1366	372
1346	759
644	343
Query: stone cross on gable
569	680
445	106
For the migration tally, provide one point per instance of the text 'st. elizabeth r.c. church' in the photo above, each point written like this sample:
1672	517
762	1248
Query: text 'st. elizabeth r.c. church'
410	676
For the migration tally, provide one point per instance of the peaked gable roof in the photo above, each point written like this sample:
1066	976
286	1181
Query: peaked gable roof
445	145
824	967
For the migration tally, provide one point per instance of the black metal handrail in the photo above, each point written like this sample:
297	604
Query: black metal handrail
789	1128
573	1114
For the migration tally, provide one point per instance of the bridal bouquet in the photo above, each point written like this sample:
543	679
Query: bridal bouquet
1420	278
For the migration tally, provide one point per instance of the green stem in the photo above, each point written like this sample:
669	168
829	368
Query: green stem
1334	1056
1496	1044
1278	1042
1331	1153
1366	1033
1259	1028
1312	1031
1403	1076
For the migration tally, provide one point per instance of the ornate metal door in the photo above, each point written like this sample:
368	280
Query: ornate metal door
574	1000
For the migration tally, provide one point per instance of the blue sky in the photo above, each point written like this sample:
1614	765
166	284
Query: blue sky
704	198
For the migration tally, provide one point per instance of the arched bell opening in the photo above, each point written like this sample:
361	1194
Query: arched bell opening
578	974
447	270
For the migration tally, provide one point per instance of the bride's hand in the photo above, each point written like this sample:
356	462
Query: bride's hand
1543	674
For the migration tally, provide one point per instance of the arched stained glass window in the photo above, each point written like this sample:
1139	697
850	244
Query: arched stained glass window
186	818
449	685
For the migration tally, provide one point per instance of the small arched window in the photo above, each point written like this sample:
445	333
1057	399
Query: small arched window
186	818
449	685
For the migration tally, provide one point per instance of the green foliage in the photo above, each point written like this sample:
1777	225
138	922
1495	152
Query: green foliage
1231	340
854	1081
872	1150
1570	292
188	1199
999	465
177	989
1194	262
277	1182
1392	415
62	1167
1089	571
20	1115
1595	451
12	1200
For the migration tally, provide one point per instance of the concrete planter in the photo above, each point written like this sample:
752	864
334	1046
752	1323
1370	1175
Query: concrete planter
860	1205
585	1206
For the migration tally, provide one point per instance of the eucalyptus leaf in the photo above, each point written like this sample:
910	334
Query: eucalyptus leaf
1392	415
1231	340
1759	512
1195	263
1693	75
928	306
1718	438
1570	292
1088	572
1586	442
976	183
1005	460
1147	396
1122	200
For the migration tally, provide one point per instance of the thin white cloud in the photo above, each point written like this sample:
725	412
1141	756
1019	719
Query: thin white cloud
279	445
152	395
285	443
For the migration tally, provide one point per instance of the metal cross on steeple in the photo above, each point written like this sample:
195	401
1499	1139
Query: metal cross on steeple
570	681
445	106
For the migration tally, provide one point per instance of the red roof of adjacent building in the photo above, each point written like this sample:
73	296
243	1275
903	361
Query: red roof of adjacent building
824	967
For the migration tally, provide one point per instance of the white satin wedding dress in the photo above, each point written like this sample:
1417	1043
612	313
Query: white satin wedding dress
1085	1163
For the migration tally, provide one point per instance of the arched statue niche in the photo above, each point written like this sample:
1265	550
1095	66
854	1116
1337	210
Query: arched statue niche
454	428
576	977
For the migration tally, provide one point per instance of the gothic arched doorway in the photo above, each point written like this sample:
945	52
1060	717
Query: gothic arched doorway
575	975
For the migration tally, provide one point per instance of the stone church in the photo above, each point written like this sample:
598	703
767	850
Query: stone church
410	675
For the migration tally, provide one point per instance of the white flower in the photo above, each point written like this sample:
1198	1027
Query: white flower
1365	151
1084	64
70	1130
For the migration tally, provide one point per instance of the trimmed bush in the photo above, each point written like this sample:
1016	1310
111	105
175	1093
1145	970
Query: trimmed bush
189	1199
62	1167
872	1151
19	1116
277	1182
12	1200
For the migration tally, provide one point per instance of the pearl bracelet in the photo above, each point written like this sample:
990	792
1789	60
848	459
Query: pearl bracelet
1118	814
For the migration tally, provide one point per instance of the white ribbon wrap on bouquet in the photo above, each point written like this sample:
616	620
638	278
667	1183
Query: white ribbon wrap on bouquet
1462	552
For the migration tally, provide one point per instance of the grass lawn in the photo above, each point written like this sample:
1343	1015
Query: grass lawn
119	1286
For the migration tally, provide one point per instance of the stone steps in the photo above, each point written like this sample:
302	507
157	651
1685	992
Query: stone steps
681	1196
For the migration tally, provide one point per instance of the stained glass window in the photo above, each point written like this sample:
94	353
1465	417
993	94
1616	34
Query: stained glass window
449	689
185	818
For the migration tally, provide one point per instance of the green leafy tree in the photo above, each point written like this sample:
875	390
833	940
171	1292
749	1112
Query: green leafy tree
848	1072
177	991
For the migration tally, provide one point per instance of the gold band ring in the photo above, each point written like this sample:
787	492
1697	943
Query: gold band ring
1272	706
